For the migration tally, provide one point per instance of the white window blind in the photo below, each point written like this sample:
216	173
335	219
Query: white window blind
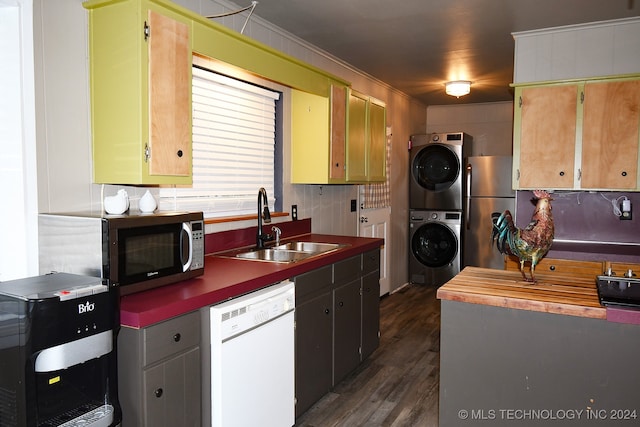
234	126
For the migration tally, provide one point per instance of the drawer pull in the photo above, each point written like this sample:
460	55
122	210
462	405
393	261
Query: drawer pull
177	337
552	267
327	311
158	392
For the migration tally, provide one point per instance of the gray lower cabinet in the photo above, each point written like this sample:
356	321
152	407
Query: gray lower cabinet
337	324
159	373
314	337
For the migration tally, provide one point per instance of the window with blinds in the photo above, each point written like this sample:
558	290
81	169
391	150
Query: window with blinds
234	143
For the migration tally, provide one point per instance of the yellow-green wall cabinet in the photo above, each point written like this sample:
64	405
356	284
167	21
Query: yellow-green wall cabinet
140	67
140	70
366	139
318	137
338	140
577	135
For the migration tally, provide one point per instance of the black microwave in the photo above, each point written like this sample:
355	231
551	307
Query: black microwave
132	252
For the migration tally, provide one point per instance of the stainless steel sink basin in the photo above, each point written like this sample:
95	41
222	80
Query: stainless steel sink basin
274	255
313	247
289	252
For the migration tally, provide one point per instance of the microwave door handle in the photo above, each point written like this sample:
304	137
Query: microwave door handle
187	229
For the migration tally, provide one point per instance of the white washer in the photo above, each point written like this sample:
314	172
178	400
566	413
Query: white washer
434	239
437	170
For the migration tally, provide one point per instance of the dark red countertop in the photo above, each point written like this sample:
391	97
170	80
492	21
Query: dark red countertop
226	278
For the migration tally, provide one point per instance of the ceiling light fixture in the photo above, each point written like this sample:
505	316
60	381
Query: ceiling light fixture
457	88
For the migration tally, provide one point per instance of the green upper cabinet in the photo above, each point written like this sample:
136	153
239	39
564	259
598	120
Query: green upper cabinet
318	137
580	135
140	74
366	139
140	71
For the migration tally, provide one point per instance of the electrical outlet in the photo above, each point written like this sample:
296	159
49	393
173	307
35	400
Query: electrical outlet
625	208
294	212
353	205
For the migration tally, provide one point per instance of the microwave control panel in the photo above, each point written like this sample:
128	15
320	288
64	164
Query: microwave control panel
197	230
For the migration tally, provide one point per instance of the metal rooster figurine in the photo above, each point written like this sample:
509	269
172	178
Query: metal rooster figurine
528	244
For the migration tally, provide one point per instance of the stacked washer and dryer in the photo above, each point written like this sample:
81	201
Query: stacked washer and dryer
436	189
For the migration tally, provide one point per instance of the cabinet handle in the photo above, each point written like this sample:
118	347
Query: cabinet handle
341	304
177	337
552	267
179	153
327	311
158	392
624	173
561	173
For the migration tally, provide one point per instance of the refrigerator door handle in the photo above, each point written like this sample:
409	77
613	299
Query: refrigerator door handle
468	197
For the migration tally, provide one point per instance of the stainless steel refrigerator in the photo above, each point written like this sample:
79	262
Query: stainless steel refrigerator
488	191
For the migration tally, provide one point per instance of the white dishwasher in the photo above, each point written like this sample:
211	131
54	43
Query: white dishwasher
252	359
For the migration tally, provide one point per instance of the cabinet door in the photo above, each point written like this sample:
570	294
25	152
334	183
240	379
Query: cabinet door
338	132
377	150
610	135
346	329
313	350
172	392
310	138
370	313
547	136
169	96
357	138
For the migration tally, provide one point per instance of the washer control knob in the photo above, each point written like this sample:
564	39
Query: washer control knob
434	215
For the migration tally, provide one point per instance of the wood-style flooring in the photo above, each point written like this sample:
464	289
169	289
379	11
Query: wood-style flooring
398	384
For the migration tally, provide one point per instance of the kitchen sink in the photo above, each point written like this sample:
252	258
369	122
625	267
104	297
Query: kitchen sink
308	247
274	255
289	252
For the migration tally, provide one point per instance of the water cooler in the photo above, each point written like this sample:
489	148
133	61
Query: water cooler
57	352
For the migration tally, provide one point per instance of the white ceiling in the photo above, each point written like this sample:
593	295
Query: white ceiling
417	45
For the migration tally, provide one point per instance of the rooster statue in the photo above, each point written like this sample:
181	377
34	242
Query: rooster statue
528	244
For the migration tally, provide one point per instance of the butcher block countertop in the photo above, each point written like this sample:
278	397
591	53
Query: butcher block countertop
574	296
227	277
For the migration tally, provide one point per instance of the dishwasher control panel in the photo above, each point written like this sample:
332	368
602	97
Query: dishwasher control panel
249	311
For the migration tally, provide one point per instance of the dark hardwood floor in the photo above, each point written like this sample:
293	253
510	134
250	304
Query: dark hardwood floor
398	384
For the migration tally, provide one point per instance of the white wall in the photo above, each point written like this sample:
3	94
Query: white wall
578	51
18	201
490	125
63	124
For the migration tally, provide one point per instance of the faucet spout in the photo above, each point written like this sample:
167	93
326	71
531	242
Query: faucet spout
263	213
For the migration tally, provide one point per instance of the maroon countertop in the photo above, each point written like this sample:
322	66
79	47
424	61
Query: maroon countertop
226	278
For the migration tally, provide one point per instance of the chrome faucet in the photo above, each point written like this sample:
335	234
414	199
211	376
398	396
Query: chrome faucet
263	212
277	232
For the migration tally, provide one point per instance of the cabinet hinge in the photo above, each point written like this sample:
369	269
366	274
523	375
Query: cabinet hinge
147	31
360	350
579	174
520	101
582	97
518	174
147	153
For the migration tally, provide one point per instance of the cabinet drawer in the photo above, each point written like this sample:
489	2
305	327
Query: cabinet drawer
346	270
370	261
309	284
561	267
170	337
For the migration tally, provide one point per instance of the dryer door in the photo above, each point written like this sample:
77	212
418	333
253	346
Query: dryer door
434	245
435	167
